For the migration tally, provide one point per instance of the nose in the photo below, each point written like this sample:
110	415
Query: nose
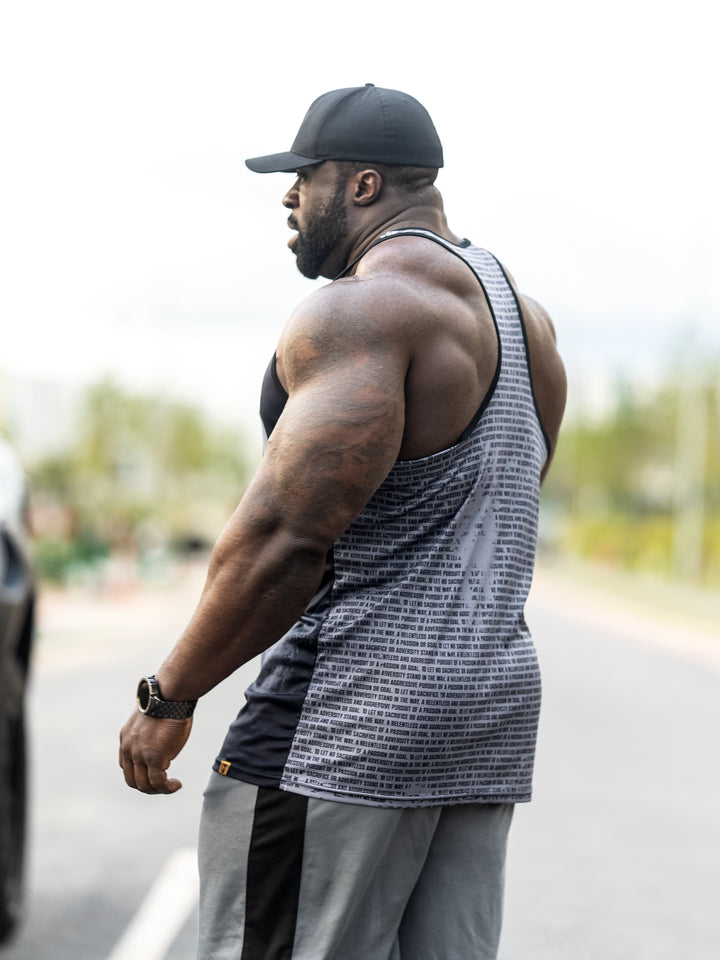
291	198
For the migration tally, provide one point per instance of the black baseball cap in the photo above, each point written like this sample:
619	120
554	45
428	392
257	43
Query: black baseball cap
370	124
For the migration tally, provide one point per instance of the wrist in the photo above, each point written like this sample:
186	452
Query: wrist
151	703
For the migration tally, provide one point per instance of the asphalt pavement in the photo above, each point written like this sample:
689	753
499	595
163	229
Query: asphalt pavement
615	859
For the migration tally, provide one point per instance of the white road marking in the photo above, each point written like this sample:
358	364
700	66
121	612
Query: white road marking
163	912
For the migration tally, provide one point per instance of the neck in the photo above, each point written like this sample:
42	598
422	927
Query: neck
423	217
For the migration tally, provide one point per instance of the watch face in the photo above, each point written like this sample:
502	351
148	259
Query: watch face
143	694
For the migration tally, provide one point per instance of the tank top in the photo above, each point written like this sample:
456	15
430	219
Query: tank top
412	679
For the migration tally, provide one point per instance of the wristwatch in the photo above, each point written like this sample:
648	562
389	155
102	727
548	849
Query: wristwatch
152	704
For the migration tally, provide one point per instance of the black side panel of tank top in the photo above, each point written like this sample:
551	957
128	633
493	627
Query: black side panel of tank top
260	738
273	398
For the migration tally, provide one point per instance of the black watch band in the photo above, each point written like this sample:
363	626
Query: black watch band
152	704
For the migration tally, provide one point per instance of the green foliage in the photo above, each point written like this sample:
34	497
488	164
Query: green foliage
56	558
143	472
639	487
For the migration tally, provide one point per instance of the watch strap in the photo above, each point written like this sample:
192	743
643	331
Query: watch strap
152	704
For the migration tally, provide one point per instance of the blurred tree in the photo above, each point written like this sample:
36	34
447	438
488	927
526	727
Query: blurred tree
143	470
640	486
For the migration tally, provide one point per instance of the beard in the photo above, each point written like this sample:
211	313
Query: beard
323	234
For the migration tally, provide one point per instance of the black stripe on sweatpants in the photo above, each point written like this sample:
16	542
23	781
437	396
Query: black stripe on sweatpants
273	875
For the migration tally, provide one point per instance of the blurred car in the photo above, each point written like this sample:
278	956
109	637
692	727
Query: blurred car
17	606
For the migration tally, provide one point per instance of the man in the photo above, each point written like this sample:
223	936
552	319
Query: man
381	556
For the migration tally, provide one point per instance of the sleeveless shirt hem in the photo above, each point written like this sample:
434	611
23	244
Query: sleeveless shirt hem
358	799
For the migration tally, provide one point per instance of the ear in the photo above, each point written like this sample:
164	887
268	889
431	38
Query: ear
366	186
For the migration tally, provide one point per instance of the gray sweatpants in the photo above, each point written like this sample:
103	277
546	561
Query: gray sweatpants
284	877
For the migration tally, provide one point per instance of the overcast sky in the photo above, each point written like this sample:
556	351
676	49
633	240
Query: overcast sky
580	140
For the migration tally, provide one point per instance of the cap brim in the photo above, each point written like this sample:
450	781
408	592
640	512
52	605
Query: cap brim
280	163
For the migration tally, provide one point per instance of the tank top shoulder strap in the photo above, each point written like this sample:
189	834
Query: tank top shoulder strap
406	232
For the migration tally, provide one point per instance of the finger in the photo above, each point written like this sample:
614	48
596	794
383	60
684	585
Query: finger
159	782
129	774
146	752
172	785
151	779
141	780
127	767
125	759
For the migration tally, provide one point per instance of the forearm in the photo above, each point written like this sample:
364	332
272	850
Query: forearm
338	437
259	583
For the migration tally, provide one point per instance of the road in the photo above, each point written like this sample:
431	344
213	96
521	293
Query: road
616	858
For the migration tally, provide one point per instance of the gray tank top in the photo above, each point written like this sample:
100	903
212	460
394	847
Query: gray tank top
412	679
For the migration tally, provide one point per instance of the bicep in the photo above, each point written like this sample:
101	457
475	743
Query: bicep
337	439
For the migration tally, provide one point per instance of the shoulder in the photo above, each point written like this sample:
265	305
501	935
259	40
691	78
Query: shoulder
373	311
419	260
538	315
548	371
400	289
535	316
344	327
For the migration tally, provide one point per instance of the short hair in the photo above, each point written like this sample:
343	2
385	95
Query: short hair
414	184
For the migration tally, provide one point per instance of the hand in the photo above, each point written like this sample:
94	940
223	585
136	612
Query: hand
147	746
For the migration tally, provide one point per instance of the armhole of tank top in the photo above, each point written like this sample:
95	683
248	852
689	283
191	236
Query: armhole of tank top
523	327
491	389
275	377
454	249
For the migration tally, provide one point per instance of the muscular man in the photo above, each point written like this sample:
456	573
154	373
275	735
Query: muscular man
381	557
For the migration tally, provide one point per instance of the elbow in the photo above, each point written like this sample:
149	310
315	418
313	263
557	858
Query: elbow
270	549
